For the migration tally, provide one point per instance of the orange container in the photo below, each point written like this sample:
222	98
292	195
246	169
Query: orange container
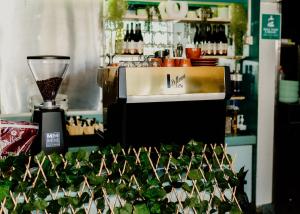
169	62
193	53
185	63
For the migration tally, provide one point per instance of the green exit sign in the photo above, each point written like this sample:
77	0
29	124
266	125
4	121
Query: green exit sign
270	27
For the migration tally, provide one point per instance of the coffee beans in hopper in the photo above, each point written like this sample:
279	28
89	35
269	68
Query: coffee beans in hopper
49	87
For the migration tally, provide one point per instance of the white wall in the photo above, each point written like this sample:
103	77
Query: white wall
55	27
268	64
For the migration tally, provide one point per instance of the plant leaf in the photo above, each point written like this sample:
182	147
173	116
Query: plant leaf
195	174
141	209
40	204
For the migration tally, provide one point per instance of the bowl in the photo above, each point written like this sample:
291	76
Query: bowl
193	53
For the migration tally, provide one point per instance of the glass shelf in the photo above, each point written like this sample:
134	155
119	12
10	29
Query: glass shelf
155	18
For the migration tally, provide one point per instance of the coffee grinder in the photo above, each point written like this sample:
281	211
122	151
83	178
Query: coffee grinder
48	72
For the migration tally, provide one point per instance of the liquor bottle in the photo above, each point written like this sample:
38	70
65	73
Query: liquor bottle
140	40
209	49
136	38
234	125
179	48
202	38
126	41
251	81
131	39
238	81
219	42
223	41
233	82
214	40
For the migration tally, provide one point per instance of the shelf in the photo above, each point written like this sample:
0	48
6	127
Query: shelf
145	18
223	57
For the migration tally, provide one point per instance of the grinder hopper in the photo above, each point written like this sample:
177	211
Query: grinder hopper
48	72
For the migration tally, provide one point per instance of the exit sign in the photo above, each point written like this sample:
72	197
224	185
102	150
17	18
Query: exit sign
271	26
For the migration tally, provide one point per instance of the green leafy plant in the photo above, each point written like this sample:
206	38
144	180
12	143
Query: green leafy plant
165	179
151	11
116	10
238	27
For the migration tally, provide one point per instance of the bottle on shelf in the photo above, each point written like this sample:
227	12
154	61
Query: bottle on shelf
209	41
242	127
251	81
178	49
132	43
235	120
202	38
215	40
126	41
140	40
239	79
223	41
233	81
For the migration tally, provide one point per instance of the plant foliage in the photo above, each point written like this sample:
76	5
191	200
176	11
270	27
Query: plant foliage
238	26
194	178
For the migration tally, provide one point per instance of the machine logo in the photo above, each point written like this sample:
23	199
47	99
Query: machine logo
52	139
175	81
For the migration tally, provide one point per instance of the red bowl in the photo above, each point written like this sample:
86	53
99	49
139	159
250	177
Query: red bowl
193	53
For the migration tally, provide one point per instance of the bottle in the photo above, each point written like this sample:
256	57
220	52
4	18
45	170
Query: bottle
126	41
251	81
202	38
179	48
209	41
233	82
131	39
245	89
234	120
242	125
223	46
228	120
136	39
219	45
196	42
214	40
140	40
238	79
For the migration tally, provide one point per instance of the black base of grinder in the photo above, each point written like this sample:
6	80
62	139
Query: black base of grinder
52	131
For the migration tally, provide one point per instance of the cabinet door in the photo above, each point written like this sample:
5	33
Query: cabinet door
242	156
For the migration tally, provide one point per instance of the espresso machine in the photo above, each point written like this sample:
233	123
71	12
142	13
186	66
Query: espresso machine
48	72
147	106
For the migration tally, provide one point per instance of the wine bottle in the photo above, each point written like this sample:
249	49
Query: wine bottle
126	41
136	38
140	45
209	50
214	40
202	38
131	41
223	41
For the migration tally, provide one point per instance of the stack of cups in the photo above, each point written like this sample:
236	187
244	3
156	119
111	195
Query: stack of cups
288	91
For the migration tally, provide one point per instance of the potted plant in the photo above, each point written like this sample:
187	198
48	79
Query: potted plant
238	27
